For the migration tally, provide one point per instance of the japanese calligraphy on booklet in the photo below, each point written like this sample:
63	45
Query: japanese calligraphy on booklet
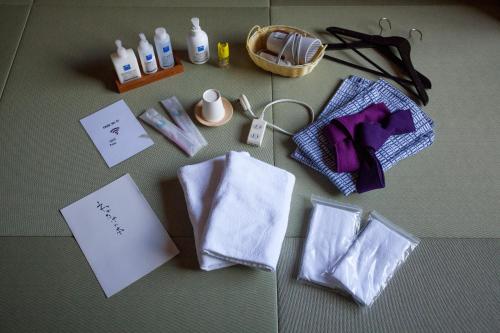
116	133
119	234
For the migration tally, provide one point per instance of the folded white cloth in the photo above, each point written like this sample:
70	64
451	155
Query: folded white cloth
199	182
332	229
249	214
373	259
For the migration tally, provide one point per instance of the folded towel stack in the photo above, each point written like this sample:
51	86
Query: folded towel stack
239	209
199	182
354	95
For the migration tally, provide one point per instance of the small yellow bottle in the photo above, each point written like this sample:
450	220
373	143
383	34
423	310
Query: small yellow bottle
223	53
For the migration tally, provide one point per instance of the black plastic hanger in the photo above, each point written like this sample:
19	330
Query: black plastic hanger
386	51
402	46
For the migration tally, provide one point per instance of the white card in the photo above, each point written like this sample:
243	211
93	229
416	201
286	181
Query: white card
116	133
119	234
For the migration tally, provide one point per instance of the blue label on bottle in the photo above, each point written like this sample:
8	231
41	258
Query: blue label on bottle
126	67
149	57
201	48
166	49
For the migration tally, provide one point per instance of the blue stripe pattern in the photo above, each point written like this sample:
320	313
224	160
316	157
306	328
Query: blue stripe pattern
354	95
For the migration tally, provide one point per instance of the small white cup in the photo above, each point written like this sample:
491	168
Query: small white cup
212	108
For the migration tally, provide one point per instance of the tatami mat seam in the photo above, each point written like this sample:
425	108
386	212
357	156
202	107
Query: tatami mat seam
274	163
143	6
17	47
270	19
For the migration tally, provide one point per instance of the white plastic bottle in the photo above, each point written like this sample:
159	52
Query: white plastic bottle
146	55
164	48
125	63
197	43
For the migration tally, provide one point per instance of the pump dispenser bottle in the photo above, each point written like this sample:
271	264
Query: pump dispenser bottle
146	55
125	63
197	43
164	48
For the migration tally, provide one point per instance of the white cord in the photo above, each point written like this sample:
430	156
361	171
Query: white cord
296	40
285	45
296	48
285	100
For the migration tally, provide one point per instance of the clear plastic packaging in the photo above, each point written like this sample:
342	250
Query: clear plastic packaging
333	227
374	257
181	118
172	132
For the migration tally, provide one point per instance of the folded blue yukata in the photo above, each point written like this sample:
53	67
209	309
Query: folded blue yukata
353	96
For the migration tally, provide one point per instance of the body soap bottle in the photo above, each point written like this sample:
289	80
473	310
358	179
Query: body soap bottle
125	63
164	48
197	43
146	55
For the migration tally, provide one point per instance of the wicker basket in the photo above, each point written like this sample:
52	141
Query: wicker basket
256	41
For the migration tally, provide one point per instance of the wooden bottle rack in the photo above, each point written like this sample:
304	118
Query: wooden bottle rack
148	78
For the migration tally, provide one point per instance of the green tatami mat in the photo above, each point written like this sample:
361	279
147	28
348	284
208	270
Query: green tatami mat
160	3
451	189
363	2
16	2
47	159
447	285
12	20
46	285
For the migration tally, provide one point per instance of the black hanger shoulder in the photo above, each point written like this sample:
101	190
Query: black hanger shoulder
399	43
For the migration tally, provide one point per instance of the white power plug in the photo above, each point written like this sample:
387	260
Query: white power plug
257	131
245	104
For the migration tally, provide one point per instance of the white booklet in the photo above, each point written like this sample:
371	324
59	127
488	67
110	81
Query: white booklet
119	234
116	133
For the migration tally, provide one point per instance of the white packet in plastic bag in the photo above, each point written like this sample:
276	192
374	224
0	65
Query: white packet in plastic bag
332	229
181	118
172	132
369	264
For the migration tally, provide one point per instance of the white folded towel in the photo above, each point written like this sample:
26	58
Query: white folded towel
199	182
249	214
373	259
332	229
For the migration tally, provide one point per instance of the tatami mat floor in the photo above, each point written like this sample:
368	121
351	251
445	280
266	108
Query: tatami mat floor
55	69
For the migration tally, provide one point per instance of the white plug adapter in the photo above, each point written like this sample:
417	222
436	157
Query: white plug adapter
257	131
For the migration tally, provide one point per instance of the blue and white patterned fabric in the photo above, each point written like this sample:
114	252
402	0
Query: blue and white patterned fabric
354	95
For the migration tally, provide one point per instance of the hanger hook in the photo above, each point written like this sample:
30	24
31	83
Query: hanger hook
381	26
417	30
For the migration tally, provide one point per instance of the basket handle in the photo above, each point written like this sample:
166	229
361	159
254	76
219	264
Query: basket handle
319	54
252	31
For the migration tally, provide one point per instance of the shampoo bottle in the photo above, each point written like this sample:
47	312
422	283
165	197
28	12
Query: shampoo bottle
197	43
125	63
164	48
146	55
